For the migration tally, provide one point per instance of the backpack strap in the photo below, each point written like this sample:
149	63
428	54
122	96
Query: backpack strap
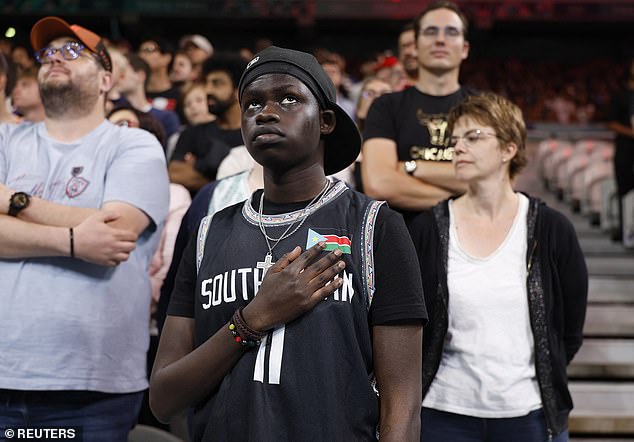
201	238
367	250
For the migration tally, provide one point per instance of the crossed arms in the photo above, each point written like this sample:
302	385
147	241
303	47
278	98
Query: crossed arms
103	236
385	179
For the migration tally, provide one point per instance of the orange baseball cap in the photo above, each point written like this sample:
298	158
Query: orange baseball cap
50	28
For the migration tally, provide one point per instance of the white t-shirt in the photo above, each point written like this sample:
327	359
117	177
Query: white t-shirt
488	367
66	324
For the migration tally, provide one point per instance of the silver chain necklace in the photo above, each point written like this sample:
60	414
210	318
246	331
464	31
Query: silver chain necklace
268	260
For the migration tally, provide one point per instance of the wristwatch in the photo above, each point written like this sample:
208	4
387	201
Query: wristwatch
18	202
410	167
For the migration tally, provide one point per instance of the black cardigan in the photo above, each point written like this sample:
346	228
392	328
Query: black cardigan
557	286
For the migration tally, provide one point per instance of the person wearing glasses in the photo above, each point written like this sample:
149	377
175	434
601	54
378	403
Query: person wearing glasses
161	93
505	283
82	205
406	159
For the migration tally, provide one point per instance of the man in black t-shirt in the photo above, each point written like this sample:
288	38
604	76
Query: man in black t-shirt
201	148
406	160
271	344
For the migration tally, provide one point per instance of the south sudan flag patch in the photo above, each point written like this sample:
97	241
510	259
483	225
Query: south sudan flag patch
332	241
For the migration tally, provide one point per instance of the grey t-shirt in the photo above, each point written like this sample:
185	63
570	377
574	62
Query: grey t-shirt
66	324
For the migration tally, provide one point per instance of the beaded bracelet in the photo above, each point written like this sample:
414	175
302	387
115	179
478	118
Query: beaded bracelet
242	333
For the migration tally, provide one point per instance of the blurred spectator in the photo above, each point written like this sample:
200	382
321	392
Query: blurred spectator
193	106
181	71
335	66
371	89
199	49
620	121
391	70
22	58
533	85
26	96
562	106
6	46
119	66
131	85
7	83
127	116
160	92
407	53
246	53
202	147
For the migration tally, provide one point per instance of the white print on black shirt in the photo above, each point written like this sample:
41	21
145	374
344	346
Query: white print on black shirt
228	286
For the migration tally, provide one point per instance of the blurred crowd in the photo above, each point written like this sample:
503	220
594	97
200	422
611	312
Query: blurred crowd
546	91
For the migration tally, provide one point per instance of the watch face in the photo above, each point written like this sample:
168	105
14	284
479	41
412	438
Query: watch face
20	200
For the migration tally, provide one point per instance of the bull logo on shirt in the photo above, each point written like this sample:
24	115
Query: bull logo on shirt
436	125
77	184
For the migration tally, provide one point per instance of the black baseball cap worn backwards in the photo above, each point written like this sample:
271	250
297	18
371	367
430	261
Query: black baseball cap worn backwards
343	145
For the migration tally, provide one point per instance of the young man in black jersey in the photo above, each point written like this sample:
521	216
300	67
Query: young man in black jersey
406	158
339	299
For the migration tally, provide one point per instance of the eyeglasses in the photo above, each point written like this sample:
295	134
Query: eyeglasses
433	31
127	123
149	49
470	138
69	51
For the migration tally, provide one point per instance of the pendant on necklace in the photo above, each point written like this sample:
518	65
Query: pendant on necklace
266	264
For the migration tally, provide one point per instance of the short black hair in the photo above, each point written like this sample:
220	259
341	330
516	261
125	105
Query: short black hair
409	26
442	4
232	64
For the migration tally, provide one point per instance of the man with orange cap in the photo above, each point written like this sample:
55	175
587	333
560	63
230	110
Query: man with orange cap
82	203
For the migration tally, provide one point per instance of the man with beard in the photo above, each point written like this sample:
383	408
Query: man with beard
201	148
82	203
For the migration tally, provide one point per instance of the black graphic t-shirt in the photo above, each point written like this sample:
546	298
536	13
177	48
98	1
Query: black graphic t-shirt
209	143
310	379
417	122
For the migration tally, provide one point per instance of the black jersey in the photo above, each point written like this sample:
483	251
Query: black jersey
417	123
310	379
